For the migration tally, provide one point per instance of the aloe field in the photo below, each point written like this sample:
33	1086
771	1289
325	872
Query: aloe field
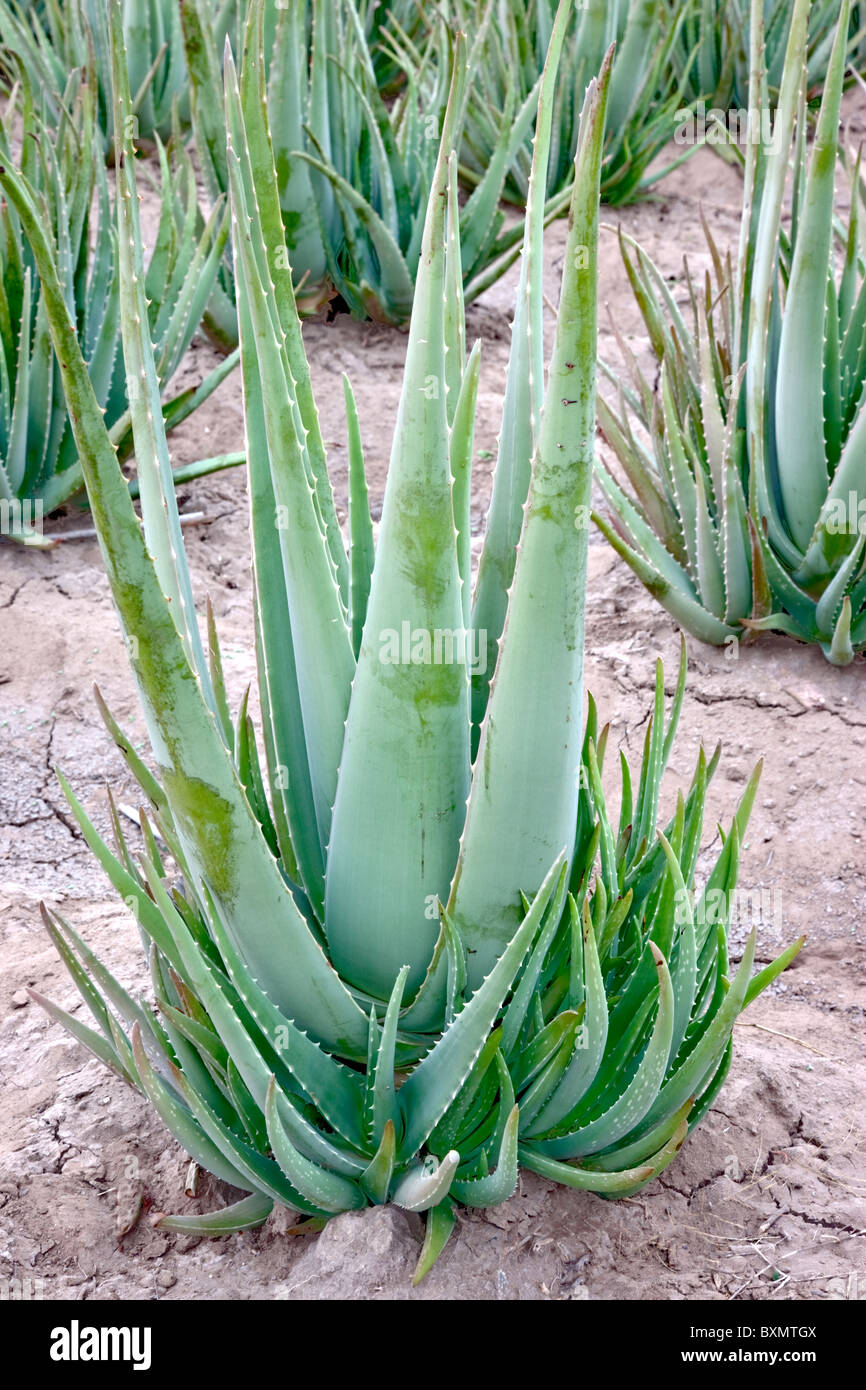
432	632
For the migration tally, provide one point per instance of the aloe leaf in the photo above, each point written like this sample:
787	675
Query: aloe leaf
183	1125
440	1223
376	1177
830	540
256	143
424	1014
287	87
312	1143
631	60
711	411
282	714
249	1212
243	1106
394	288
684	609
799	405
784	591
608	1184
638	468
499	1185
642	1150
709	1093
326	1190
14	462
543	1045
709	563
320	636
202	1038
515	1015
72	949
457	1120
93	1041
384	1094
427	1185
544	627
687	1078
524	394
91	996
640	537
205	85
462	445
158	503
536	1095
763	263
840	652
362	550
455	311
830	602
685	968
215	665
740	584
403	776
480	218
771	972
652	767
130	889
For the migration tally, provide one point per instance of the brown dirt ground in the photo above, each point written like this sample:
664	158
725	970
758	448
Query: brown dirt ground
767	1199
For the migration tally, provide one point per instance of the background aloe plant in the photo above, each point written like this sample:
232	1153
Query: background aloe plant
51	38
364	907
713	46
746	512
645	92
354	175
40	466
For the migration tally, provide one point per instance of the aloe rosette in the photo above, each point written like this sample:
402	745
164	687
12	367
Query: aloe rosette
40	466
53	38
713	47
382	971
354	174
747	464
645	92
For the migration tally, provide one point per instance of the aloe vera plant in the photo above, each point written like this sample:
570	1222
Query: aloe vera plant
645	93
713	47
747	463
392	27
52	38
376	979
40	466
354	176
